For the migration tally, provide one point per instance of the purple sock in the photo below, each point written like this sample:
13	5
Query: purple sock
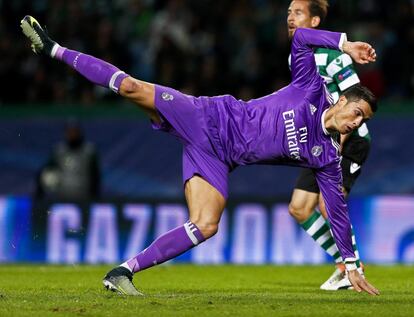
95	70
167	246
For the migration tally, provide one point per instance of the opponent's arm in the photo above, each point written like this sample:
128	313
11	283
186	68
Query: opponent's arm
330	183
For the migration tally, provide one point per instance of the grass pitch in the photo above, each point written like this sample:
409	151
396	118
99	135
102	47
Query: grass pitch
187	290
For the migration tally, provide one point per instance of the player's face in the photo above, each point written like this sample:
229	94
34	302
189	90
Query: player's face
351	115
298	15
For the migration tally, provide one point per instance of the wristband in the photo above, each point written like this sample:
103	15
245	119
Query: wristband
350	266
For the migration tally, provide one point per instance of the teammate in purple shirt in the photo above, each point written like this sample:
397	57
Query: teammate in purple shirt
291	126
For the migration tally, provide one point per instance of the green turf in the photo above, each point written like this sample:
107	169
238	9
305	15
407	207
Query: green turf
184	290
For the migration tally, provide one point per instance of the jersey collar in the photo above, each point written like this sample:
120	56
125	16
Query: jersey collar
322	122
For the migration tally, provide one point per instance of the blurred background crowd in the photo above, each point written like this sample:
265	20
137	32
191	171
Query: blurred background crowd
203	47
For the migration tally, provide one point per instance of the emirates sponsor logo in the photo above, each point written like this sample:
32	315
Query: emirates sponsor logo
293	136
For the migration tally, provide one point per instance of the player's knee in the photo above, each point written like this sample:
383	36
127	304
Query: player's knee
294	211
298	212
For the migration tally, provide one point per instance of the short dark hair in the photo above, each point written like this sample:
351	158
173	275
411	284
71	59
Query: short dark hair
318	8
358	92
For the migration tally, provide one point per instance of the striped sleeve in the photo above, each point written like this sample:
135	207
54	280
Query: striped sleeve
341	69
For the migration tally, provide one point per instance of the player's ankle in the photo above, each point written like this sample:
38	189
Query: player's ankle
340	266
361	268
57	51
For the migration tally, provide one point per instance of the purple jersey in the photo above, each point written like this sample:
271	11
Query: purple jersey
287	128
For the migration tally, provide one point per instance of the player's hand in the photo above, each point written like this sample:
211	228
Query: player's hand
361	284
361	52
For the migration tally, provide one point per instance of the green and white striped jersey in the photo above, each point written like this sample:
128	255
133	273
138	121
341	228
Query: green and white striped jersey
337	69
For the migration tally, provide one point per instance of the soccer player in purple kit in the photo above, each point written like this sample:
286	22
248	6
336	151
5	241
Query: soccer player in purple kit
339	74
291	126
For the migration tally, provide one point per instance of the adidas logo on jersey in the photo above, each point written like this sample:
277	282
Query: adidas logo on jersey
312	108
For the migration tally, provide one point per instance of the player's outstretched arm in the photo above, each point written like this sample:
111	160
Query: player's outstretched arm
329	180
303	66
361	52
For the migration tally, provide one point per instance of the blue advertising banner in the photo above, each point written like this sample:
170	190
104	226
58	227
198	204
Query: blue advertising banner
139	163
15	229
250	232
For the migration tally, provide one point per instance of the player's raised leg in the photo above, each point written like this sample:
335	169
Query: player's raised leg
94	69
205	205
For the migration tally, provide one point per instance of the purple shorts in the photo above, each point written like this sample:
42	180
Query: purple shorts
185	117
